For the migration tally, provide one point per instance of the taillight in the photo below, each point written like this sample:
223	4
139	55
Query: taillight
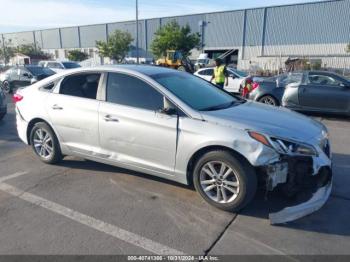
17	98
255	85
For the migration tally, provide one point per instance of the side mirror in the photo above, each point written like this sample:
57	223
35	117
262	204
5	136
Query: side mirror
168	111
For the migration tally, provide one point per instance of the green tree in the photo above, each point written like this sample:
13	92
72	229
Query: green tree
174	37
348	48
117	46
6	51
77	55
33	51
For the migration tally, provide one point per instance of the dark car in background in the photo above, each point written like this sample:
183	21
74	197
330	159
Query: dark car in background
270	90
3	105
22	76
319	91
309	91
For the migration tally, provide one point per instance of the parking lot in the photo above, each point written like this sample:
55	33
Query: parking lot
82	207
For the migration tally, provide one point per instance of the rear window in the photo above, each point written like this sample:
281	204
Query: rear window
81	85
70	65
38	70
290	78
238	72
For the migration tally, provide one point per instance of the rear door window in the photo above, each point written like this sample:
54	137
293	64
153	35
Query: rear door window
81	85
54	65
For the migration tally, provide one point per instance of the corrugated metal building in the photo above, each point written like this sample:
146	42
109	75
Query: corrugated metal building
261	37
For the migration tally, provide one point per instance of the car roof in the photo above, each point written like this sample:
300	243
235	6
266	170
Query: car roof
25	66
143	69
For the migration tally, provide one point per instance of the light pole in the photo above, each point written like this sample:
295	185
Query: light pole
3	48
137	32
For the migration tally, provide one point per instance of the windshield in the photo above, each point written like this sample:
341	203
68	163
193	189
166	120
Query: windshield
70	65
194	91
38	70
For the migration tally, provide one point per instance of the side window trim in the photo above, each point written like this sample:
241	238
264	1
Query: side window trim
102	87
52	90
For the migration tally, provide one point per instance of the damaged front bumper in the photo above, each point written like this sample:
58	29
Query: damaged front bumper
306	179
292	213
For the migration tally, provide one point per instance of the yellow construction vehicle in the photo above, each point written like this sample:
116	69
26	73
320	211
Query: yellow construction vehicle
175	59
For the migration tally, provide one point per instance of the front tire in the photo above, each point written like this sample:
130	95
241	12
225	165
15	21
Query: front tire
224	180
45	143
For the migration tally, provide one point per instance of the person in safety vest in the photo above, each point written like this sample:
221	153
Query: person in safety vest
248	87
220	75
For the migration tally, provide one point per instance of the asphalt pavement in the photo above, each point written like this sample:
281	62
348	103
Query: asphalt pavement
82	207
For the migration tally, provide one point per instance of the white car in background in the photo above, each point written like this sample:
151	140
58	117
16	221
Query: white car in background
58	66
235	80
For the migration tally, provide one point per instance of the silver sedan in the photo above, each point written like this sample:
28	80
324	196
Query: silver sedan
177	126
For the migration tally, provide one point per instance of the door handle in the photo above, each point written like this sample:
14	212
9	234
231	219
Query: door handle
109	118
57	107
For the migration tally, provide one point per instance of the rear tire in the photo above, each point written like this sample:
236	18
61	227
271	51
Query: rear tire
45	143
181	68
269	100
6	87
224	180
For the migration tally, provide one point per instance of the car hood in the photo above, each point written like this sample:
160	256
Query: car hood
273	121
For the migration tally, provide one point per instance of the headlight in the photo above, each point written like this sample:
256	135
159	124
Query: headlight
284	146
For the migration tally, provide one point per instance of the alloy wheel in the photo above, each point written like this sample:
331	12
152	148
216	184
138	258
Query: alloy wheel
268	100
219	182
43	143
6	87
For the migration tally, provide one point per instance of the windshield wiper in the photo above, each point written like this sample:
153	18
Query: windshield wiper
222	106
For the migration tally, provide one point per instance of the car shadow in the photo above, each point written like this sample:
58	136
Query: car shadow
100	167
331	219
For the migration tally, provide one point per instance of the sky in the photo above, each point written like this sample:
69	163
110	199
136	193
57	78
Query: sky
26	15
